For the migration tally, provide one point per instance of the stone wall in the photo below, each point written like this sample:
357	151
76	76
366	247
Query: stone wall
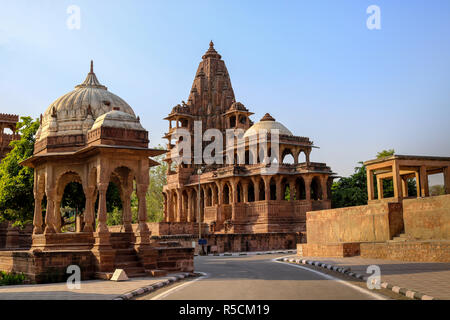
167	228
220	243
15	237
427	218
427	251
374	222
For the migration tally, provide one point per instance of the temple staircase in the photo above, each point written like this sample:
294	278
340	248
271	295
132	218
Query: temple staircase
126	257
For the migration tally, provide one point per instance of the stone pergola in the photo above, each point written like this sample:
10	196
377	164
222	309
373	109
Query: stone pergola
400	168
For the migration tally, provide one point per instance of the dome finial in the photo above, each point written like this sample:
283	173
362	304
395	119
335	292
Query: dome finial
92	66
211	44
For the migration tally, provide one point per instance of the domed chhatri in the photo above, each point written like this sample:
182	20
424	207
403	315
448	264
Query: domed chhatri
268	123
70	118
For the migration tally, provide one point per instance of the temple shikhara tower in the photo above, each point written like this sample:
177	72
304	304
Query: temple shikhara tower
243	196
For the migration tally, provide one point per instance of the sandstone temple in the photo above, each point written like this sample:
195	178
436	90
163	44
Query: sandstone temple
240	197
7	121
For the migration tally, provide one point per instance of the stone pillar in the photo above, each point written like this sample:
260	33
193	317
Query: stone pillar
37	219
50	214
126	209
370	191
307	154
307	181
417	174
219	202
447	180
296	155
279	192
266	180
404	187
102	214
292	191
58	216
424	191
380	188
179	206
89	209
214	195
234	198
397	181
141	191
324	187
256	188
245	191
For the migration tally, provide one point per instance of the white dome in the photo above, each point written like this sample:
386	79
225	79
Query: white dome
76	111
117	119
267	123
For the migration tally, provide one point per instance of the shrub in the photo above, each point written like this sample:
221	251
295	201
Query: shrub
11	278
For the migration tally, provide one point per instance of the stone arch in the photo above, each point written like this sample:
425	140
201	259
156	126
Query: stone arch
287	156
239	192
316	189
226	193
285	189
69	181
300	189
251	192
262	187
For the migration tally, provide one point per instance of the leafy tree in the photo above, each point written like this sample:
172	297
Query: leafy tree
155	198
350	191
16	181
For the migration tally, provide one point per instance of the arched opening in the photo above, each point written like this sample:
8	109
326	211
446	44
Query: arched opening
285	190
194	205
226	194
273	189
242	119
209	197
70	203
301	157
316	190
251	192
300	189
262	194
232	121
287	157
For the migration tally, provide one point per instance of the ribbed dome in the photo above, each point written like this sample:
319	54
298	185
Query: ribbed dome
267	123
76	111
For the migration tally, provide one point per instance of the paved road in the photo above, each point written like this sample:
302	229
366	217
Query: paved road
258	277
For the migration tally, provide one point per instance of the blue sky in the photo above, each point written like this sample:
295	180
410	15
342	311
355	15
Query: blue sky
313	65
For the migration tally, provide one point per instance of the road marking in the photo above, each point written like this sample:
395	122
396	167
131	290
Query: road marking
329	277
175	289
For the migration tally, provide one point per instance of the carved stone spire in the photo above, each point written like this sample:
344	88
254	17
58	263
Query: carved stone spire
91	80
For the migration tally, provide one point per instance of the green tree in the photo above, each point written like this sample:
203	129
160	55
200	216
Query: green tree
16	181
350	191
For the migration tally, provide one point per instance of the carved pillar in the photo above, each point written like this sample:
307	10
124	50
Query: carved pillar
50	214
141	191
219	202
308	181
279	192
296	154
324	187
126	205
256	188
266	187
245	191
189	206
292	191
234	198
57	209
102	214
37	219
307	154
417	174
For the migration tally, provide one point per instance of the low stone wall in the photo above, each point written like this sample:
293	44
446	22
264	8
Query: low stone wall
427	218
167	228
419	251
374	222
336	250
44	267
15	237
220	243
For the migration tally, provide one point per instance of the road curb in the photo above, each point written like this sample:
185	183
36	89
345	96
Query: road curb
154	286
235	254
347	271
